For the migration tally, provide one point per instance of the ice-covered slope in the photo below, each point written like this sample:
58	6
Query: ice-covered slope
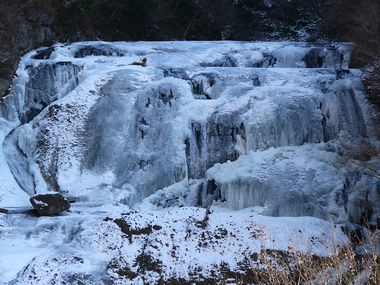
271	127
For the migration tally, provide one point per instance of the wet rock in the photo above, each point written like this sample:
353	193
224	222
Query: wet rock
47	83
176	73
44	53
225	61
4	211
100	50
49	204
314	58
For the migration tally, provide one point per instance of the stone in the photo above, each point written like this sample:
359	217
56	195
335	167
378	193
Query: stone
49	204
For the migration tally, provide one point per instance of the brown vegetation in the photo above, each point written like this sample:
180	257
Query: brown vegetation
359	22
345	266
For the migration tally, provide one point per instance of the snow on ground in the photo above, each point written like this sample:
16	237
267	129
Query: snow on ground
95	244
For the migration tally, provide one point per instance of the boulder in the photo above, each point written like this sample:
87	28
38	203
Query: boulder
49	204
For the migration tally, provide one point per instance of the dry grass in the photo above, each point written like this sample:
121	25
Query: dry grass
346	266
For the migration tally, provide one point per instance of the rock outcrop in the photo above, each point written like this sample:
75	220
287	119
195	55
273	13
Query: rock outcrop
49	204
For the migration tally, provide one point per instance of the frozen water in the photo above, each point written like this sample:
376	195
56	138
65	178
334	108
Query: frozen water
269	127
195	105
287	181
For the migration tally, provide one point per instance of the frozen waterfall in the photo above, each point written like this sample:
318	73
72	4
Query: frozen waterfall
266	125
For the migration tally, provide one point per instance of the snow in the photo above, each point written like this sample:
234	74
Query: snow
255	130
85	240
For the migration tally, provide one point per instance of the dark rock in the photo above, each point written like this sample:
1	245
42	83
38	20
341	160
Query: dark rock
225	61
43	86
4	211
314	58
176	73
354	233
269	60
129	231
44	53
100	50
371	78
146	262
18	211
256	81
49	204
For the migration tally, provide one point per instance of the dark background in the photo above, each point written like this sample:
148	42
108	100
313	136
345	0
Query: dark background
28	24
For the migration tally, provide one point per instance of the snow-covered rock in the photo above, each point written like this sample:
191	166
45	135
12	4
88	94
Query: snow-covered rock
113	245
49	204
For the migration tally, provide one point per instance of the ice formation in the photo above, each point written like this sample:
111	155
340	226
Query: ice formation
277	128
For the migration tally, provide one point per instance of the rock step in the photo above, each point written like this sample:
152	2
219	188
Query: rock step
205	54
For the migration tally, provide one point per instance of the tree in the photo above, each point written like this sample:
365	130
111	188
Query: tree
359	22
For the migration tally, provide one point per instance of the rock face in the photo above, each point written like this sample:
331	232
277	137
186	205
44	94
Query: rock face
49	204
